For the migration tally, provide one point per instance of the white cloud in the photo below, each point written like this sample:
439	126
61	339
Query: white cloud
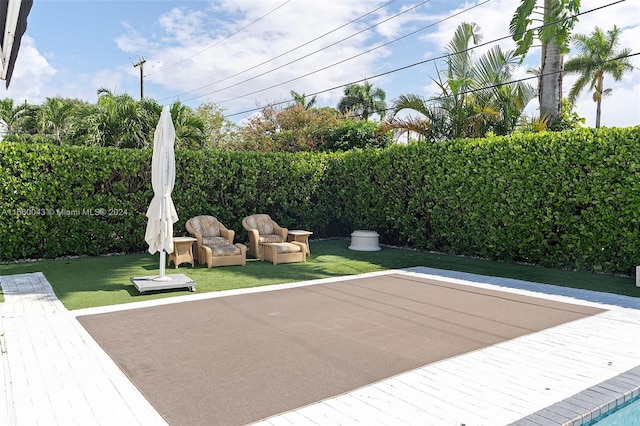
493	19
623	15
411	17
133	41
31	75
297	23
183	25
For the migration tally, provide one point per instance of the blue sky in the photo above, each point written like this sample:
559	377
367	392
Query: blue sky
220	51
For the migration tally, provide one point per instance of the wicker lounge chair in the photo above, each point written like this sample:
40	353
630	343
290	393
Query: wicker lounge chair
262	229
214	243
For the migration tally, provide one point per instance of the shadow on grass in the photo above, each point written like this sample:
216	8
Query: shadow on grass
105	280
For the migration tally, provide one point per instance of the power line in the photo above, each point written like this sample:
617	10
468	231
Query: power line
309	54
220	41
336	63
506	83
289	51
433	59
350	58
478	89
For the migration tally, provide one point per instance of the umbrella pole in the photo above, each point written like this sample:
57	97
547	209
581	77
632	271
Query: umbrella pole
163	235
163	257
163	252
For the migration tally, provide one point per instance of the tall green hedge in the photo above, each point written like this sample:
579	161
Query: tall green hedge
231	185
567	199
61	200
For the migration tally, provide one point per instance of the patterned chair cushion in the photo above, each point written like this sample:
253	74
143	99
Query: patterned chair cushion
270	238
214	241
225	250
261	222
286	248
207	226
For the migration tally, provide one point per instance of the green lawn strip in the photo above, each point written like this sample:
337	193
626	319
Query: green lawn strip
99	281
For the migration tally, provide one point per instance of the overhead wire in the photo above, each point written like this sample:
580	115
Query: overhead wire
347	59
305	56
288	51
218	42
497	85
433	59
336	63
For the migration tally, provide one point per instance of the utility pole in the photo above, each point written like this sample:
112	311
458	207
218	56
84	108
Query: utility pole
141	65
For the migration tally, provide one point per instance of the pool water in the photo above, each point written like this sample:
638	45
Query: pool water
628	415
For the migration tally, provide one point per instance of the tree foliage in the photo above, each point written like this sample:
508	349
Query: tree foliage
554	27
352	134
114	120
553	31
10	114
303	100
475	97
296	128
219	132
362	101
597	55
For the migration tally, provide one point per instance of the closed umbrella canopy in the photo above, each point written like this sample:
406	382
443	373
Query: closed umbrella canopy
13	24
162	213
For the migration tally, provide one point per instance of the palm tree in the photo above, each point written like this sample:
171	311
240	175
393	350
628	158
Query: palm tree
148	111
424	124
598	55
301	99
10	114
363	101
116	122
474	98
494	89
190	129
54	117
554	33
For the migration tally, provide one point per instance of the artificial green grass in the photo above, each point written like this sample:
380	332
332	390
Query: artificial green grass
99	281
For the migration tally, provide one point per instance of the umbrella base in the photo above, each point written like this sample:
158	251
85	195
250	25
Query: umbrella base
144	284
163	279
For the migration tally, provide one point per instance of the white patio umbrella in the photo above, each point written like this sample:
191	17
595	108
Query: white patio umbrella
162	213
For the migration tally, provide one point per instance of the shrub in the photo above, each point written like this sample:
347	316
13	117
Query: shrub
351	134
568	199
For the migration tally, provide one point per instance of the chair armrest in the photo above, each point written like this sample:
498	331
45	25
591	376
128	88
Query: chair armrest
198	254
229	234
303	248
254	242
283	232
198	237
205	255
243	253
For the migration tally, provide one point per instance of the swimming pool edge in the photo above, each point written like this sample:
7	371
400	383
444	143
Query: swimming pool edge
587	406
